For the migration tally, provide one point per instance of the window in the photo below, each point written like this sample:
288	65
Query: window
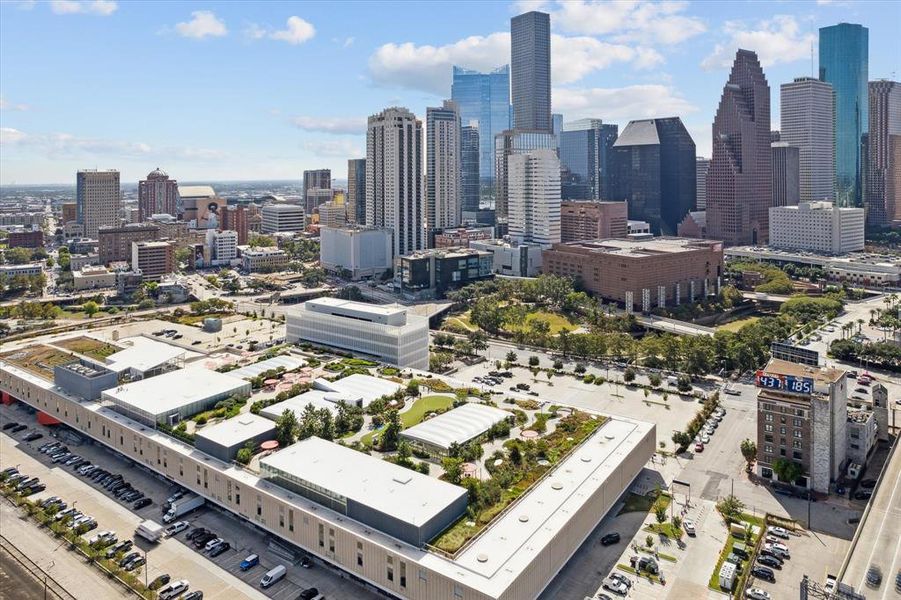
390	569
782	430
797	422
797	455
331	540
768	417
321	536
458	591
796	443
782	451
290	519
782	419
765	427
403	574
796	433
768	449
422	576
359	554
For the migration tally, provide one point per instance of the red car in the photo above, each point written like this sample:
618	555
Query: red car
699	447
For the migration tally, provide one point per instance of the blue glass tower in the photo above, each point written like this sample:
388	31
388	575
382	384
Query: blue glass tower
484	97
844	60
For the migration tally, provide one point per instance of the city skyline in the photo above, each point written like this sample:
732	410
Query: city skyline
613	62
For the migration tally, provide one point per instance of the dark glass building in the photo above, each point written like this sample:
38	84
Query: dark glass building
484	98
653	169
356	189
586	148
740	176
469	165
530	38
844	63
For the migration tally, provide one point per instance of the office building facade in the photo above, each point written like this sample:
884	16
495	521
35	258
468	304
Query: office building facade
808	123
114	243
443	167
507	144
317	179
356	190
264	260
98	199
355	252
484	98
786	174
590	220
470	173
530	59
534	197
883	165
279	218
819	227
740	177
654	171
153	259
235	218
586	148
428	274
701	167
394	183
844	63
157	195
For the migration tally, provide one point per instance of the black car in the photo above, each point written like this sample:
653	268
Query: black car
610	539
868	484
159	581
201	540
220	549
9	425
19	428
128	558
765	573
197	531
308	594
141	503
34	489
195	595
35	435
863	495
770	561
874	576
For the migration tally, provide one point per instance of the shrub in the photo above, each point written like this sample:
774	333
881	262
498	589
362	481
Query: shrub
588	378
629	375
533	361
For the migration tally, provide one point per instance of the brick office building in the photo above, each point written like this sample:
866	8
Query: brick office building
591	220
641	274
114	243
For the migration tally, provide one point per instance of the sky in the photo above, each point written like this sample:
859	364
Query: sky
263	90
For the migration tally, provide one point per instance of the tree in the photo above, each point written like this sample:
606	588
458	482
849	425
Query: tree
245	454
90	308
478	340
453	469
677	522
391	434
787	471
558	364
413	388
649	541
731	507
580	368
681	438
533	361
629	375
655	379
660	513
18	256
511	357
684	383
749	451
286	428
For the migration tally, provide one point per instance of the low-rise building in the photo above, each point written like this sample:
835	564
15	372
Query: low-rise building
356	252
27	269
153	259
802	417
862	435
223	246
93	278
638	227
462	425
592	219
431	273
459	237
818	227
282	217
224	439
79	261
390	334
511	259
26	237
115	243
874	270
641	274
263	260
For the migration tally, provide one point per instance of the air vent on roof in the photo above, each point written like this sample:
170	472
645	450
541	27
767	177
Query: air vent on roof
556	485
402	479
586	458
523	518
482	558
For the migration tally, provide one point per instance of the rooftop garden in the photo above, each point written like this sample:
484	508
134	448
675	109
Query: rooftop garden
90	347
38	360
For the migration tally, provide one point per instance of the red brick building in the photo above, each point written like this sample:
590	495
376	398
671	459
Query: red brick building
26	238
592	220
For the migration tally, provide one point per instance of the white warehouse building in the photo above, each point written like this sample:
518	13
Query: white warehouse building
817	227
390	334
356	252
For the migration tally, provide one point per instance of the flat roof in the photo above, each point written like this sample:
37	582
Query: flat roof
297	404
195	191
236	430
143	356
366	387
458	425
170	391
250	371
406	495
361	307
639	247
827	375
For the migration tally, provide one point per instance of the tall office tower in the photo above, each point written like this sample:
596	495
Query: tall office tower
534	216
808	123
507	144
356	190
98	198
157	195
654	171
530	51
394	194
884	128
786	174
740	178
701	166
317	179
586	147
469	167
235	218
557	128
485	98
844	63
443	167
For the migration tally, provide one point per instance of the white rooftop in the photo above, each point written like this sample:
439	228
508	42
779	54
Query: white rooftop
144	355
297	404
458	425
358	307
195	191
170	391
250	371
406	495
365	387
236	430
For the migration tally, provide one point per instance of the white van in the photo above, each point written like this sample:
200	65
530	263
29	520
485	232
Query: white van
273	576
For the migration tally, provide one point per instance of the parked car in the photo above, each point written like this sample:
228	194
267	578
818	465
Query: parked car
308	594
778	532
699	447
10	425
757	594
764	573
134	564
219	549
123	546
863	494
159	581
612	585
141	503
194	533
874	576
610	539
195	595
689	527
273	575
622	579
769	561
212	544
868	484
34	489
249	562
19	428
128	558
34	435
177	527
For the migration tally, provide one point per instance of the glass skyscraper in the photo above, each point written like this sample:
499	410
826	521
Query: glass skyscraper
585	153
469	164
844	60
485	98
530	51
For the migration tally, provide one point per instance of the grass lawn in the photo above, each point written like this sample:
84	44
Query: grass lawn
416	413
666	529
734	326
194	319
636	503
556	322
39	359
731	540
462	320
89	347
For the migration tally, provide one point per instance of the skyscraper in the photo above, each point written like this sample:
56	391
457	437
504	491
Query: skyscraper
469	166
394	194
654	171
356	190
485	98
157	195
530	38
808	123
443	166
317	184
98	198
739	181
701	166
557	128
534	209
844	63
585	152
507	144
786	174
882	166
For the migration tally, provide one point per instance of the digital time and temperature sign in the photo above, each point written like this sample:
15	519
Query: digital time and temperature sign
785	383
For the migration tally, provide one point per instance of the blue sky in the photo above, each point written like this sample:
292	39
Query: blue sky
264	90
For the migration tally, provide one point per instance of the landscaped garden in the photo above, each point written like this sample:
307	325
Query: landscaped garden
90	347
416	413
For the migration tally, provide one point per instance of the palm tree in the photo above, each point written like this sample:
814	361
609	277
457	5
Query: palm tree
749	452
860	323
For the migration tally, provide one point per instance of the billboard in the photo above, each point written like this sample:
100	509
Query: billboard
209	213
784	383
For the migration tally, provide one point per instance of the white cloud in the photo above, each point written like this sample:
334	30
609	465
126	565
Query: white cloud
298	32
776	40
348	42
10	136
254	32
103	8
66	145
203	23
429	68
337	125
621	104
7	105
628	20
333	148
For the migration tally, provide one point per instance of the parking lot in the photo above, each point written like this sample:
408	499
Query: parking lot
174	556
